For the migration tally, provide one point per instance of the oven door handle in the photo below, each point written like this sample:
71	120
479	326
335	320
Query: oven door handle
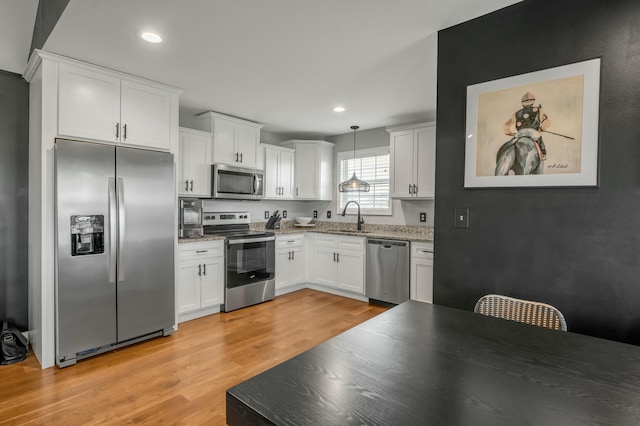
250	240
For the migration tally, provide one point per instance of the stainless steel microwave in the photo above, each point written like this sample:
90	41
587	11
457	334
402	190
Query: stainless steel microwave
236	183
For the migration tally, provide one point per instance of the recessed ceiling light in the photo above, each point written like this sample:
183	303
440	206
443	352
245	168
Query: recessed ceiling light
150	37
339	109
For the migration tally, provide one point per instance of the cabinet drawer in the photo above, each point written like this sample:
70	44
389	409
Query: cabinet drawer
200	250
351	243
325	240
284	241
421	250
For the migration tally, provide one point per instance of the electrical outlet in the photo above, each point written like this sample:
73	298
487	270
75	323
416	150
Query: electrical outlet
284	214
462	218
328	214
266	214
315	214
423	217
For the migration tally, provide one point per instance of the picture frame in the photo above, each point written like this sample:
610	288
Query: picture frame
513	121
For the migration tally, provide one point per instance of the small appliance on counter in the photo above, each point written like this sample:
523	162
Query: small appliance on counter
274	221
190	218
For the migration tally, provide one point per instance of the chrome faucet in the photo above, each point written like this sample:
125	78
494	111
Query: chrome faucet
360	219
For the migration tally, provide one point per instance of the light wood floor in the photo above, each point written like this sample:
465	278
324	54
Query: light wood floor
180	379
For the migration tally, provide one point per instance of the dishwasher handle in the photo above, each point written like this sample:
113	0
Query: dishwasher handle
388	243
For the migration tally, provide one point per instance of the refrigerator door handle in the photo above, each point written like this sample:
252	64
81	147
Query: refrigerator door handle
113	226
121	228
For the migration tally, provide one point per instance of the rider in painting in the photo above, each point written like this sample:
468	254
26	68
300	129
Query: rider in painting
514	155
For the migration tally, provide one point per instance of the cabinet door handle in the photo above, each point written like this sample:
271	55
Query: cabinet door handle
124	132
297	192
338	260
186	185
204	269
191	185
201	251
410	189
241	157
199	270
237	157
334	256
415	189
117	130
293	255
289	255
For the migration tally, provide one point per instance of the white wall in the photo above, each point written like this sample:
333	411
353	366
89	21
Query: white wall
404	212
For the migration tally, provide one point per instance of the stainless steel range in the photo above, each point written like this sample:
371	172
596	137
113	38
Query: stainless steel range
249	259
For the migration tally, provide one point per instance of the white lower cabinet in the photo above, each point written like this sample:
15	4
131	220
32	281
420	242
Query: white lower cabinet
290	262
422	272
201	279
339	262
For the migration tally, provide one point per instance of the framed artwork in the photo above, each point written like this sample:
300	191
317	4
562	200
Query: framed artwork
534	130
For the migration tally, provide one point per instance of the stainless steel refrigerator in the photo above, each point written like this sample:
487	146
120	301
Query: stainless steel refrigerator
115	229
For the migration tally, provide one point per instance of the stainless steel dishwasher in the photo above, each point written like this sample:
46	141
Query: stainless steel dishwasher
387	271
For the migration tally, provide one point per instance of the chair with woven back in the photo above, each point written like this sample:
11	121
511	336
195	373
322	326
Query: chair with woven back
530	312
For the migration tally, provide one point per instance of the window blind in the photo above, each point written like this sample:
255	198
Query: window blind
373	169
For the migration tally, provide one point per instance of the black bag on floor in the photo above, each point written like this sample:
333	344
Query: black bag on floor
14	345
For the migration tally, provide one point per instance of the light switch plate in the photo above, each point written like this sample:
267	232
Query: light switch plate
462	218
328	214
423	217
315	214
266	214
284	214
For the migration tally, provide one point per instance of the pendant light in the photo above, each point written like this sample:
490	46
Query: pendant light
354	184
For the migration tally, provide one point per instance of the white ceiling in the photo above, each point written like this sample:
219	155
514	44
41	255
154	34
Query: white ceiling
282	63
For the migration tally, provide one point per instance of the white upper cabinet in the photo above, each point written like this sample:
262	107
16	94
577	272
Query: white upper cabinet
413	161
194	169
313	169
89	104
145	114
236	142
278	172
101	105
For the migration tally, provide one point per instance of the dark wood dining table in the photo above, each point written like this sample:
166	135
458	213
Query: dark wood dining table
423	364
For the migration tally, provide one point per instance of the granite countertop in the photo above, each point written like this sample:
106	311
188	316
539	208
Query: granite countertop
201	239
391	232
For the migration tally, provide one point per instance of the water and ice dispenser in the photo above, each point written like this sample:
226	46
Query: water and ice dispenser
87	234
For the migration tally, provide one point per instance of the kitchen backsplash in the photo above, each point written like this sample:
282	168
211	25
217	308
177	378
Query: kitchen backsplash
426	231
405	213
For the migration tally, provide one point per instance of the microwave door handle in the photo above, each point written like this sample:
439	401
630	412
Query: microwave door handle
255	184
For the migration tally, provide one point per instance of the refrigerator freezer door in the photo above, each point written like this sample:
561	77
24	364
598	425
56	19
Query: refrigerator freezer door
146	195
85	299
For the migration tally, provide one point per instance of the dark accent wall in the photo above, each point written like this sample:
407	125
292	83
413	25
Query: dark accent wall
575	248
49	11
14	175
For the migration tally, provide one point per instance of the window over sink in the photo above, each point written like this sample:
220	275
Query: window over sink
371	165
